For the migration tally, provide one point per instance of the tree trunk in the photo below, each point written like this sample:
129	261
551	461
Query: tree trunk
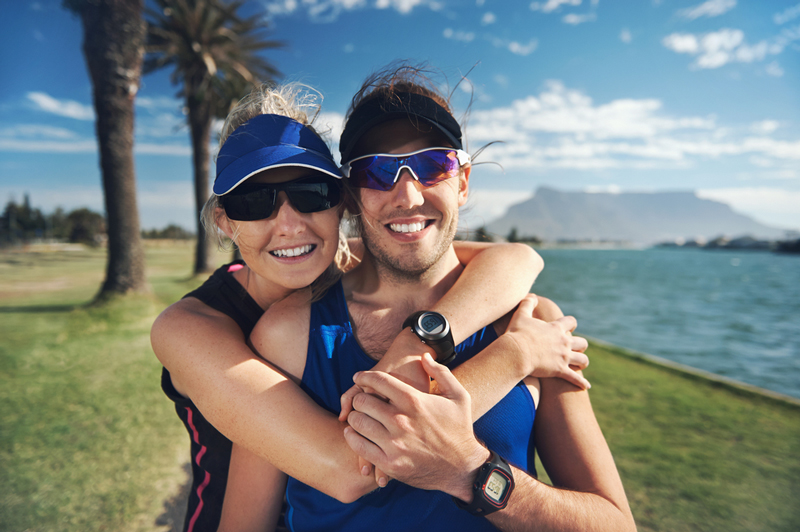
114	37
200	127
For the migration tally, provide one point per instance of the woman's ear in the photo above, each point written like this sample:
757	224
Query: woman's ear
224	223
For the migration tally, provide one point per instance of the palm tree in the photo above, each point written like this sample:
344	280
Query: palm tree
113	43
214	54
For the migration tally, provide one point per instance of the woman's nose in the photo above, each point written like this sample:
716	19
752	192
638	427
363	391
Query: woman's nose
288	219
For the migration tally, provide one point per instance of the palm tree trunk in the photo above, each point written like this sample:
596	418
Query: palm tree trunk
114	37
200	127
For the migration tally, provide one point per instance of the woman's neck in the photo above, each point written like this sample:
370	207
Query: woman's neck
264	292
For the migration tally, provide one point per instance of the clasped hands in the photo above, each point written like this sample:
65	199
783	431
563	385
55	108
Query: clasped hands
426	440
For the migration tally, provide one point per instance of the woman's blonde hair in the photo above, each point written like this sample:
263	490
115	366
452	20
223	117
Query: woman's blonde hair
298	102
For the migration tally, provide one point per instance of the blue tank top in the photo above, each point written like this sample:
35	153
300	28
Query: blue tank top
333	357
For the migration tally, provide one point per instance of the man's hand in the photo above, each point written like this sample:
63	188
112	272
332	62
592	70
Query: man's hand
423	440
549	347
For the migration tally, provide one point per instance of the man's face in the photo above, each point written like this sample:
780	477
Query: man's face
409	228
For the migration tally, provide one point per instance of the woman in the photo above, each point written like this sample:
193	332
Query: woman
275	196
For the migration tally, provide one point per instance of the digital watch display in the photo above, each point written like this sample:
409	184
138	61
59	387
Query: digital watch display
434	330
492	487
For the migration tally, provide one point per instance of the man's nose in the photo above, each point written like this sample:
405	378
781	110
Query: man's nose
407	191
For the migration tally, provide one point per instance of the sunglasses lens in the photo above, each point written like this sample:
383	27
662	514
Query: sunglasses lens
433	167
378	172
313	196
247	203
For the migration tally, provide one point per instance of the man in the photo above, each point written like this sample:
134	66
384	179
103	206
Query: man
408	217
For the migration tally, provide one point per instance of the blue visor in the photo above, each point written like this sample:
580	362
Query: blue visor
270	141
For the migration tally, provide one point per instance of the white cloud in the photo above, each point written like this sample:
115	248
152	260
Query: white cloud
625	36
552	5
523	49
785	16
564	128
48	146
37	131
776	206
405	6
711	8
765	127
501	80
724	46
329	10
574	19
462	36
68	108
161	102
38	35
488	18
682	43
774	69
514	46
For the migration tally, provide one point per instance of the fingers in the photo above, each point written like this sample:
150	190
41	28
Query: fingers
573	377
527	305
448	386
381	478
362	446
364	467
579	360
347	401
385	385
579	344
569	323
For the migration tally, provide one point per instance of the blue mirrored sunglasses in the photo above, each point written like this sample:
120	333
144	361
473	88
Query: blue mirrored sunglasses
380	171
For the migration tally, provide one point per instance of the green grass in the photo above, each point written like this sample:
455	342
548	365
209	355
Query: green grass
87	439
89	442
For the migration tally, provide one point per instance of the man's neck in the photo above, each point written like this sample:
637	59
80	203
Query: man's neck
379	300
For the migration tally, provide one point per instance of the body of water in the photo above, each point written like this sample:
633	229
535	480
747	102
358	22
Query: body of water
735	314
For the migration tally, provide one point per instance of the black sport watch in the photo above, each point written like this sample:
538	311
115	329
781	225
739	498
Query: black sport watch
434	330
492	487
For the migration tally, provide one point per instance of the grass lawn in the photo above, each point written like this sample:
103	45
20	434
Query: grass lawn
89	442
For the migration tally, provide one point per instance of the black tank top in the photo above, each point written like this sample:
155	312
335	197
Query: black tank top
211	451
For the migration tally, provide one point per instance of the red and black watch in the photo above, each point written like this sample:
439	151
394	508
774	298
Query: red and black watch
492	487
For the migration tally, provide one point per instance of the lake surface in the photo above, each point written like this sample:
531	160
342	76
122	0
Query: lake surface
735	314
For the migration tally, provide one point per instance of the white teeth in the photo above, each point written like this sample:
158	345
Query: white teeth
293	252
407	228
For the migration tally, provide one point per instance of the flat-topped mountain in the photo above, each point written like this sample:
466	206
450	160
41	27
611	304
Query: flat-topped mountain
637	217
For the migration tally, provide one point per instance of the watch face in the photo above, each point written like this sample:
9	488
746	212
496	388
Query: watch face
496	487
432	323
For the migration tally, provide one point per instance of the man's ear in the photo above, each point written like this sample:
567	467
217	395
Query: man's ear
463	185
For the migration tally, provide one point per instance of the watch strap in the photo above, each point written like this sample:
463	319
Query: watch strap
444	347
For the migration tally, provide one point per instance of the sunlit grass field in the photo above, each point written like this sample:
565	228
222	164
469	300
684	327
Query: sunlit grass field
89	442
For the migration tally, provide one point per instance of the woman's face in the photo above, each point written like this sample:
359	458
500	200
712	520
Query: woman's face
289	249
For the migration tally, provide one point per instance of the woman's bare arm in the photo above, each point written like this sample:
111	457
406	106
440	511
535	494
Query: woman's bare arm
253	403
253	495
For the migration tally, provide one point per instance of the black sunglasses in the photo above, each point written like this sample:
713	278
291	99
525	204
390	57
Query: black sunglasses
256	201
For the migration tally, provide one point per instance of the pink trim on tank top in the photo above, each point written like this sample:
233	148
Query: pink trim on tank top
200	454
235	267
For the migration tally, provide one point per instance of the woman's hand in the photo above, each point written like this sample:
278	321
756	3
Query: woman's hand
549	348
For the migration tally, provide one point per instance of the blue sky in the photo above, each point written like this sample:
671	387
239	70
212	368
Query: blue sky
598	95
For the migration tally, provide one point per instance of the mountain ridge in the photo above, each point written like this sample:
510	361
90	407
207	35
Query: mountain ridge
638	217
